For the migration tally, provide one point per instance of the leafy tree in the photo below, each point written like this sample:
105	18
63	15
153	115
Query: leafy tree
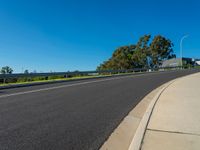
26	72
140	55
144	54
160	49
121	59
6	70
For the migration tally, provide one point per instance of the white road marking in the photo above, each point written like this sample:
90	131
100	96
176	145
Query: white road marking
70	85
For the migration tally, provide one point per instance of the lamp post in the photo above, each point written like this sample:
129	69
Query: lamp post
181	49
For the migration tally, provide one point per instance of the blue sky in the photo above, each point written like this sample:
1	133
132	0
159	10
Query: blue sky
62	35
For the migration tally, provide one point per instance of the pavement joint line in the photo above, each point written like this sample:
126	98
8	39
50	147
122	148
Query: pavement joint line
138	138
70	85
174	132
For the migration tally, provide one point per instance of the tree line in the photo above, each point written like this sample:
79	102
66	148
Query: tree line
6	70
146	53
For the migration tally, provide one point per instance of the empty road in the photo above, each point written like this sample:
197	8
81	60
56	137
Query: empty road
75	115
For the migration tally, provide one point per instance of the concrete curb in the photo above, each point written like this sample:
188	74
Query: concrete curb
130	132
140	132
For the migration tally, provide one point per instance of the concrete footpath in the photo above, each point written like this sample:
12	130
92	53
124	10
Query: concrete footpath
175	120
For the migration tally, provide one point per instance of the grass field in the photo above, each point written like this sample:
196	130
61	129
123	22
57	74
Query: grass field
62	79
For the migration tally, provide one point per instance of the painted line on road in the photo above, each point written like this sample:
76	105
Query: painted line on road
70	85
58	87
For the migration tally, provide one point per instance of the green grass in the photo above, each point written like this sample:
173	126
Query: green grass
40	80
197	67
51	80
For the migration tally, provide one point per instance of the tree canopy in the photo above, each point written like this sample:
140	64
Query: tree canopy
26	71
6	70
146	53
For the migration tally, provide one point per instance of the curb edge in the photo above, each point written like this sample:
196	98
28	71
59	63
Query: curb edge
136	142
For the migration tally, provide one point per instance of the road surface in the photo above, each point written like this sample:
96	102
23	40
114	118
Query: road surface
75	115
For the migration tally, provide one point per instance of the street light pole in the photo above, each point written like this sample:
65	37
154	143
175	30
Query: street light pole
181	49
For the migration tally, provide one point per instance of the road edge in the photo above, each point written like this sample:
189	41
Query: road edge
133	120
136	142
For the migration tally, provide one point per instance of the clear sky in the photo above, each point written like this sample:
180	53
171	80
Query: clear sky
62	35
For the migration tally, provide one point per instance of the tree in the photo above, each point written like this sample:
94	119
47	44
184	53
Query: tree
144	54
6	70
121	59
160	49
26	72
140	55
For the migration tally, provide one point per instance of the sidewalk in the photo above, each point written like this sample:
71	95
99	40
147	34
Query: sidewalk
175	121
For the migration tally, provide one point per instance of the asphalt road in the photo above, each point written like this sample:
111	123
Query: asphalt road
77	115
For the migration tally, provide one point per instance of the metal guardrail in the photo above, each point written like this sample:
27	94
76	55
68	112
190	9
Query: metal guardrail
67	74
